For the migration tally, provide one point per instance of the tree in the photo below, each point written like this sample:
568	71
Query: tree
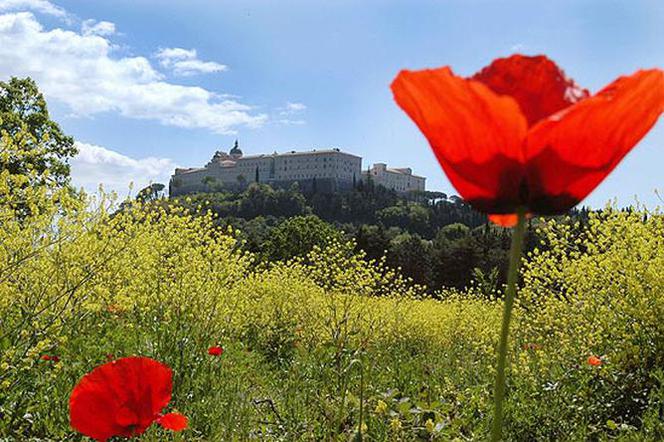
370	183
412	255
373	240
23	112
150	193
296	236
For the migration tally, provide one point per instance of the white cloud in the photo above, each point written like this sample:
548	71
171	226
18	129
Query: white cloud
518	47
42	6
185	62
95	165
83	72
94	27
290	122
294	107
289	112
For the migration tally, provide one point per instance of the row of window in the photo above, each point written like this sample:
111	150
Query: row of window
316	167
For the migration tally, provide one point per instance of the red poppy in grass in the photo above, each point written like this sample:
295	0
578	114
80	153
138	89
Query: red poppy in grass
173	421
123	398
520	135
594	361
50	358
215	350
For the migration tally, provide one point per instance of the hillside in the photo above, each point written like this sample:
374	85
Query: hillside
435	240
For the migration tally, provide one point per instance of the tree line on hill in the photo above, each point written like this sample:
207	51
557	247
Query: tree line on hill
436	240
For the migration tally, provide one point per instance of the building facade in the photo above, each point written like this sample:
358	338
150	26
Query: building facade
399	179
327	170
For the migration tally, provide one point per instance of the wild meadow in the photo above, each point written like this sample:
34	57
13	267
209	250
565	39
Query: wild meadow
329	346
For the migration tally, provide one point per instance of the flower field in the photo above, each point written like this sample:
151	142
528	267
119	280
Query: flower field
332	346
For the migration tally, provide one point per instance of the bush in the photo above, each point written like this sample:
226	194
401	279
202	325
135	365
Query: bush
597	290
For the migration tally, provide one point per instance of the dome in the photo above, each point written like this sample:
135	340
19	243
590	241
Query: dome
235	152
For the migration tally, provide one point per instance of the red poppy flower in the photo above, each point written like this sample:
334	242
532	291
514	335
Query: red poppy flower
519	134
215	350
594	361
173	421
123	398
50	358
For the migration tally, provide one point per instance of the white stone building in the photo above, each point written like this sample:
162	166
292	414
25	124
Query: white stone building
326	170
399	179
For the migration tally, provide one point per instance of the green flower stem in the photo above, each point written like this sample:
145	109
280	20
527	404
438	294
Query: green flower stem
510	294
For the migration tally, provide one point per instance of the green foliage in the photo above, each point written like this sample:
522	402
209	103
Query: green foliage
297	236
434	241
598	289
255	201
411	217
411	255
150	193
24	115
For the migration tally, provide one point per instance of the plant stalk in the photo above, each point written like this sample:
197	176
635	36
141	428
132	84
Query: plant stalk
510	294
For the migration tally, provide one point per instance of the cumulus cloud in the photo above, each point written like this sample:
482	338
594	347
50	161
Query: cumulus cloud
83	72
94	27
185	62
42	6
95	165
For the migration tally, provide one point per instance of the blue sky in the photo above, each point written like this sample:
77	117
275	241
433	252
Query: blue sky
147	85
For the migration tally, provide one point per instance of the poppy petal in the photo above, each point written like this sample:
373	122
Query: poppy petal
507	220
571	152
93	409
120	398
594	361
536	83
476	135
174	421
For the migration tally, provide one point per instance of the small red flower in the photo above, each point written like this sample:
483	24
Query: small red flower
173	421
51	358
123	398
215	350
519	134
594	361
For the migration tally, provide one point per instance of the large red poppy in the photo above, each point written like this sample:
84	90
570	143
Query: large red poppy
519	134
123	398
